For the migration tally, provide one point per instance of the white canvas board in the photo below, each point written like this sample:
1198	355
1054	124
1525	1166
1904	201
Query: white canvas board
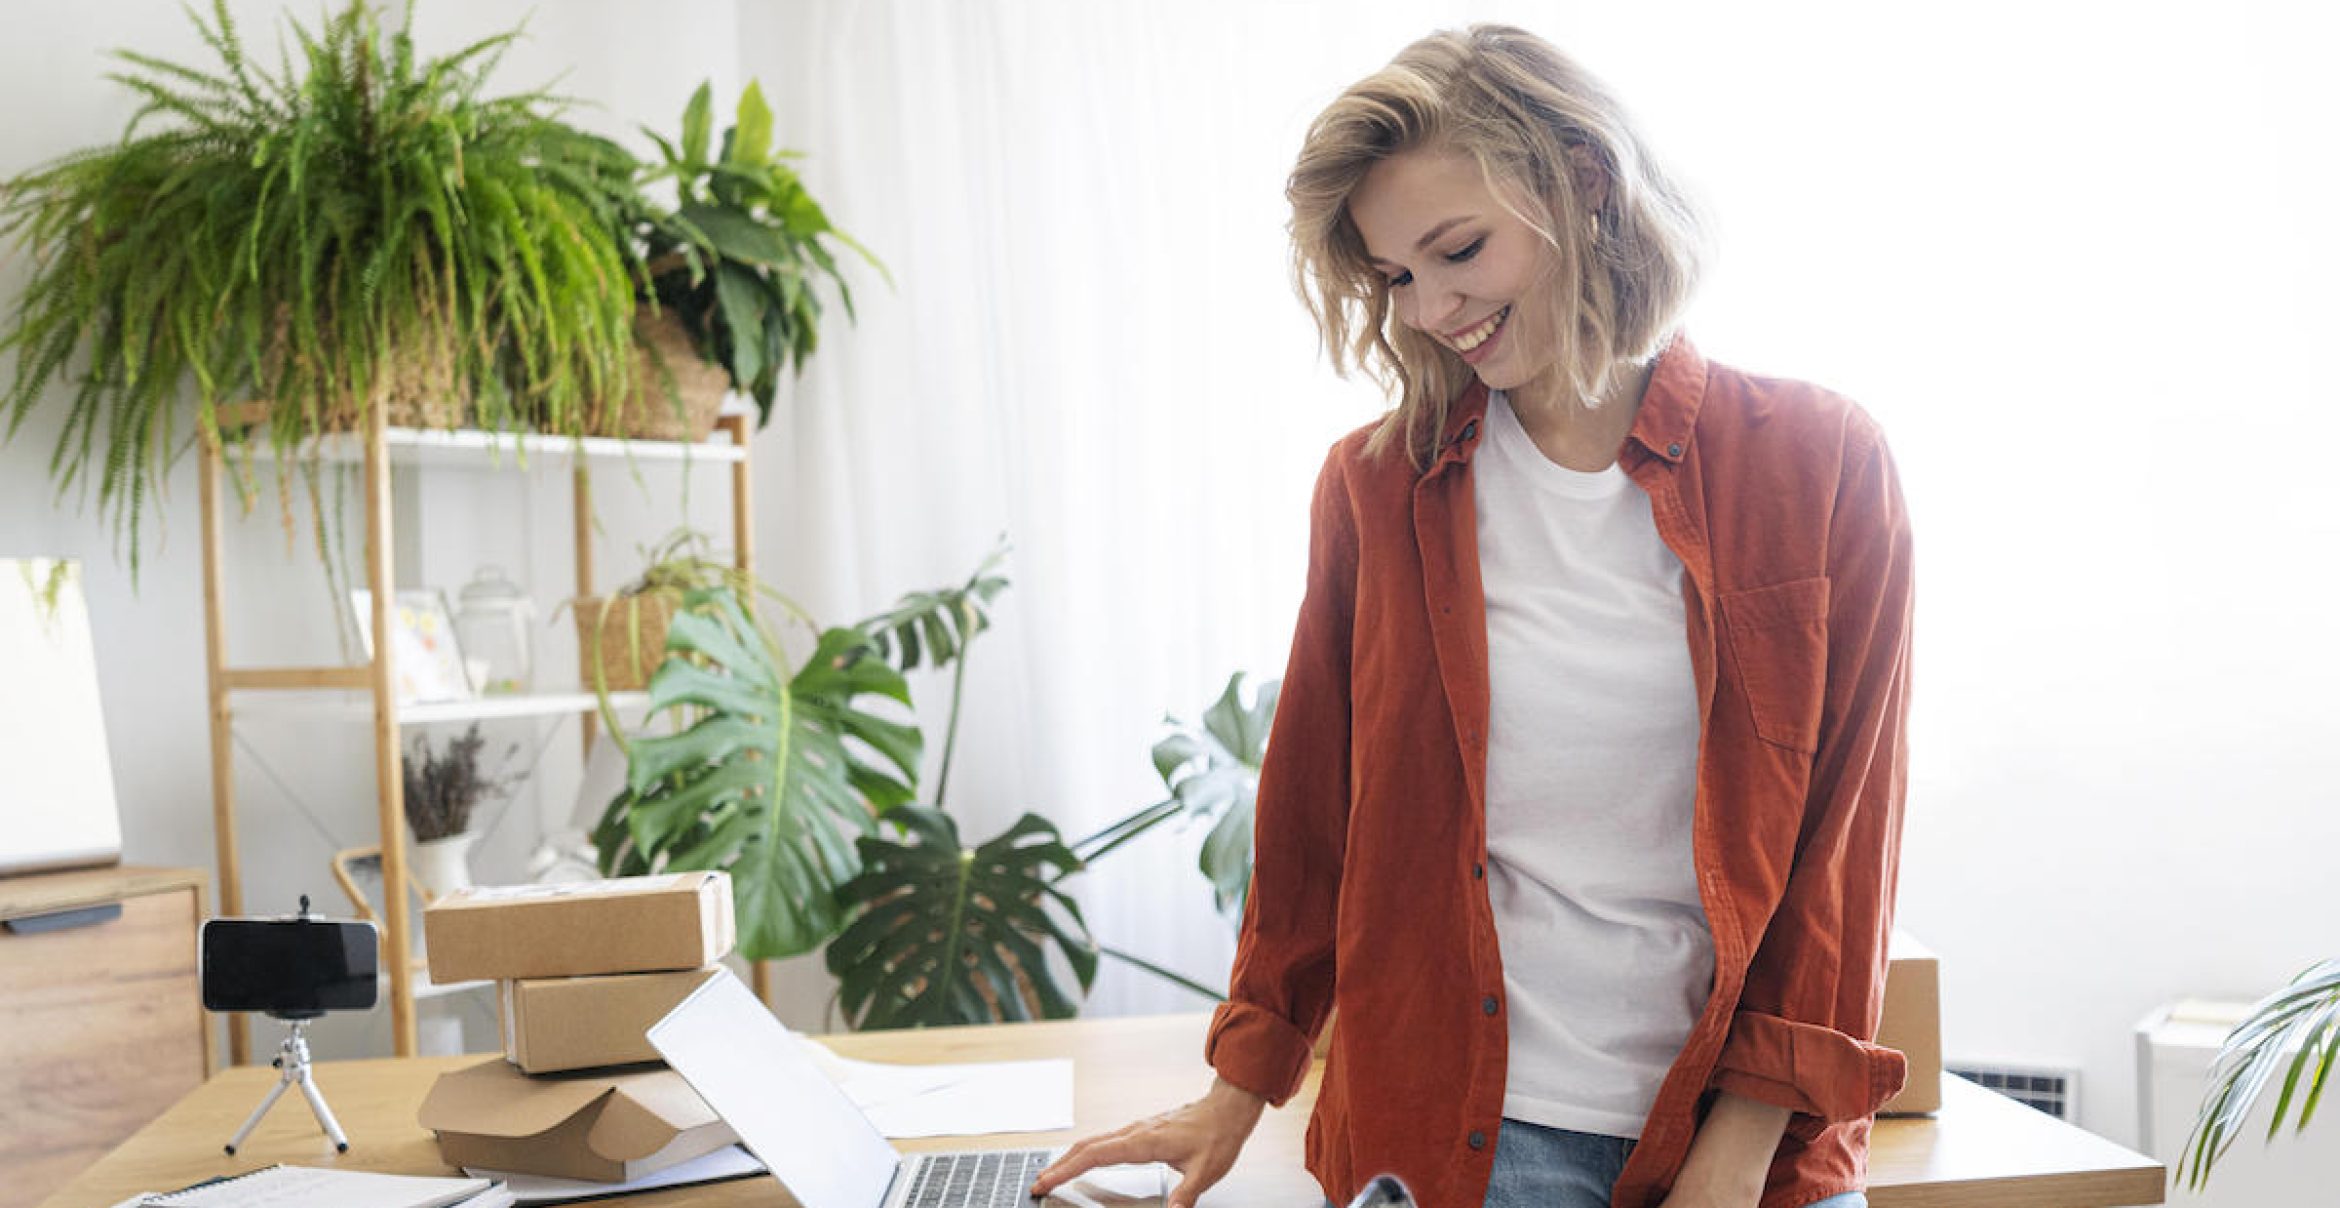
56	778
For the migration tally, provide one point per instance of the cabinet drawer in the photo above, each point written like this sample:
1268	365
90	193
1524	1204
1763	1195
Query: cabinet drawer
101	1028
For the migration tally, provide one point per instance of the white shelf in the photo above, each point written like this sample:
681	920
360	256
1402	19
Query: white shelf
475	448
345	705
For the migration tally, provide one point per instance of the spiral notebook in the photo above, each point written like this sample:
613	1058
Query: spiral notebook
291	1186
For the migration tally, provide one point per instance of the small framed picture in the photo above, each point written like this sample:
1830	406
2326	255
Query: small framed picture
426	662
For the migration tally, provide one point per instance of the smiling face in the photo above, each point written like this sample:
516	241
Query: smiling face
1461	268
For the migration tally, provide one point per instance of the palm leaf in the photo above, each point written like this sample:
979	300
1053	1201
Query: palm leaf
950	935
772	780
2301	1020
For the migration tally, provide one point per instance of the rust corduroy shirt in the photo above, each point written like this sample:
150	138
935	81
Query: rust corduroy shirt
1781	501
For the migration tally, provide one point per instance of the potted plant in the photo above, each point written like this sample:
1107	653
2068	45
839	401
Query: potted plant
804	784
622	637
1212	773
443	787
368	229
731	274
2297	1030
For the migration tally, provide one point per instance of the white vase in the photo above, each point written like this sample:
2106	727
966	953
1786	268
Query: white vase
442	866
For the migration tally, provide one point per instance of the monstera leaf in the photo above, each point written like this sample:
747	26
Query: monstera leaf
954	935
769	781
931	627
1214	774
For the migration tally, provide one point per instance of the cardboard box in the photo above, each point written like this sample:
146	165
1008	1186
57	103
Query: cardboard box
631	925
1912	1023
575	1023
606	1126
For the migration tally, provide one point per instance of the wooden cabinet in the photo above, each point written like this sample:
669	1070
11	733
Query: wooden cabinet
101	1023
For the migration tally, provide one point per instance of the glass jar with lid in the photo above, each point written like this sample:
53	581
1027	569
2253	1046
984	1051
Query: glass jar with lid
495	621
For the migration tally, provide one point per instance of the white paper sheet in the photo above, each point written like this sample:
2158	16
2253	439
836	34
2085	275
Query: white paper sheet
968	1099
729	1162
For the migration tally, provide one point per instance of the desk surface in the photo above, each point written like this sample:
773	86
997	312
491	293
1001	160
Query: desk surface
1981	1150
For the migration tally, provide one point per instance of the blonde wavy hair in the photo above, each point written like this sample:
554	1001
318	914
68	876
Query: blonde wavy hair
1533	120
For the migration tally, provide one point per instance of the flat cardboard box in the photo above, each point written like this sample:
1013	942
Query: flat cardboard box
575	1023
653	924
607	1126
1912	1023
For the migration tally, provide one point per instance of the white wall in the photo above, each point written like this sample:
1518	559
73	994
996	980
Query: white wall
2077	257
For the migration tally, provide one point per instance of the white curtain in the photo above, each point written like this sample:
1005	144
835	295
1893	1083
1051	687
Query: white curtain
2077	257
1089	347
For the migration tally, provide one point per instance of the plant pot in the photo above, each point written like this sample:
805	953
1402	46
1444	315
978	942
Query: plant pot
442	866
621	640
417	387
676	394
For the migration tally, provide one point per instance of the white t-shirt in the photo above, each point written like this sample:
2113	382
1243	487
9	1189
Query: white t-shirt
1591	772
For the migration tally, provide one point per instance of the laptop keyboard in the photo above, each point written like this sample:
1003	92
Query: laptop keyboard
997	1179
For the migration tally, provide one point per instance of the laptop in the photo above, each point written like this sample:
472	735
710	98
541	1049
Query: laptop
753	1071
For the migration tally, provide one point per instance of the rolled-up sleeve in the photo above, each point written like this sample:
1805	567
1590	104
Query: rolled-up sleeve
1803	1034
1282	985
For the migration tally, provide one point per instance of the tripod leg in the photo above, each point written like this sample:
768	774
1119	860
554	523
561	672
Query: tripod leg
323	1113
283	1080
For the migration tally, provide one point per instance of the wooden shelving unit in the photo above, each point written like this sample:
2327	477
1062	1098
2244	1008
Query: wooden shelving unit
365	690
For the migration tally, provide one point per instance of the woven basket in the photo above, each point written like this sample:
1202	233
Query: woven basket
621	640
663	355
417	387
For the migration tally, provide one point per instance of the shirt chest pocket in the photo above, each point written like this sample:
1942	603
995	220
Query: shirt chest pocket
1779	646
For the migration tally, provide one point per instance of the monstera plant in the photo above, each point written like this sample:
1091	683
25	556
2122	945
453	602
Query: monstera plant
764	782
948	934
815	805
1212	772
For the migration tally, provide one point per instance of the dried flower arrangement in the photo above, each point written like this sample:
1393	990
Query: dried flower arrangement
442	787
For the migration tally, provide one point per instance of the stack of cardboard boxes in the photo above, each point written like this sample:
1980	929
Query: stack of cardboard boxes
582	971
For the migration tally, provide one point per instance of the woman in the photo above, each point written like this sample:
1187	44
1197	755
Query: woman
1603	910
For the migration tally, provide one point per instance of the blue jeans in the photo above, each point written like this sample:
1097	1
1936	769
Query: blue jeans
1538	1167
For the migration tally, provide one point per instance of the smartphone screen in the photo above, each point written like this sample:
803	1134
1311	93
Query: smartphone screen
296	966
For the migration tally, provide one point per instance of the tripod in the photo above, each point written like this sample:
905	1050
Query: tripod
292	1064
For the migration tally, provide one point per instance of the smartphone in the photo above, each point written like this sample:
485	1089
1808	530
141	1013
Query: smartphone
297	967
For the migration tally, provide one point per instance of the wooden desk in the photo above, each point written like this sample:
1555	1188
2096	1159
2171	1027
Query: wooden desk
1982	1149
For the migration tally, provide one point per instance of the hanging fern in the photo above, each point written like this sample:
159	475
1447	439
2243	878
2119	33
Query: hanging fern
371	224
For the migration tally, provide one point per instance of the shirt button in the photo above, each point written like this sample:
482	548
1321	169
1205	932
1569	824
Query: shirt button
1674	450
1470	429
1478	1139
1478	872
1487	1004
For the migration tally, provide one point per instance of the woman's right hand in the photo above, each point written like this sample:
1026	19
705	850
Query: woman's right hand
1199	1140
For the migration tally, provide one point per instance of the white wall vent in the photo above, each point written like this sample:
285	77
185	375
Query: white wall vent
2054	1089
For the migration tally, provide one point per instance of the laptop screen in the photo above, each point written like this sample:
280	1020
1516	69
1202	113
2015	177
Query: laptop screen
755	1073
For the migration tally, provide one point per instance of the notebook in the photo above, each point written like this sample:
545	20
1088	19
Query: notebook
299	1186
822	1148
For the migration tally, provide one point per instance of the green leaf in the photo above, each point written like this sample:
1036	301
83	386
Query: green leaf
769	783
736	236
742	309
932	628
2302	1019
698	119
1213	775
751	142
944	934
